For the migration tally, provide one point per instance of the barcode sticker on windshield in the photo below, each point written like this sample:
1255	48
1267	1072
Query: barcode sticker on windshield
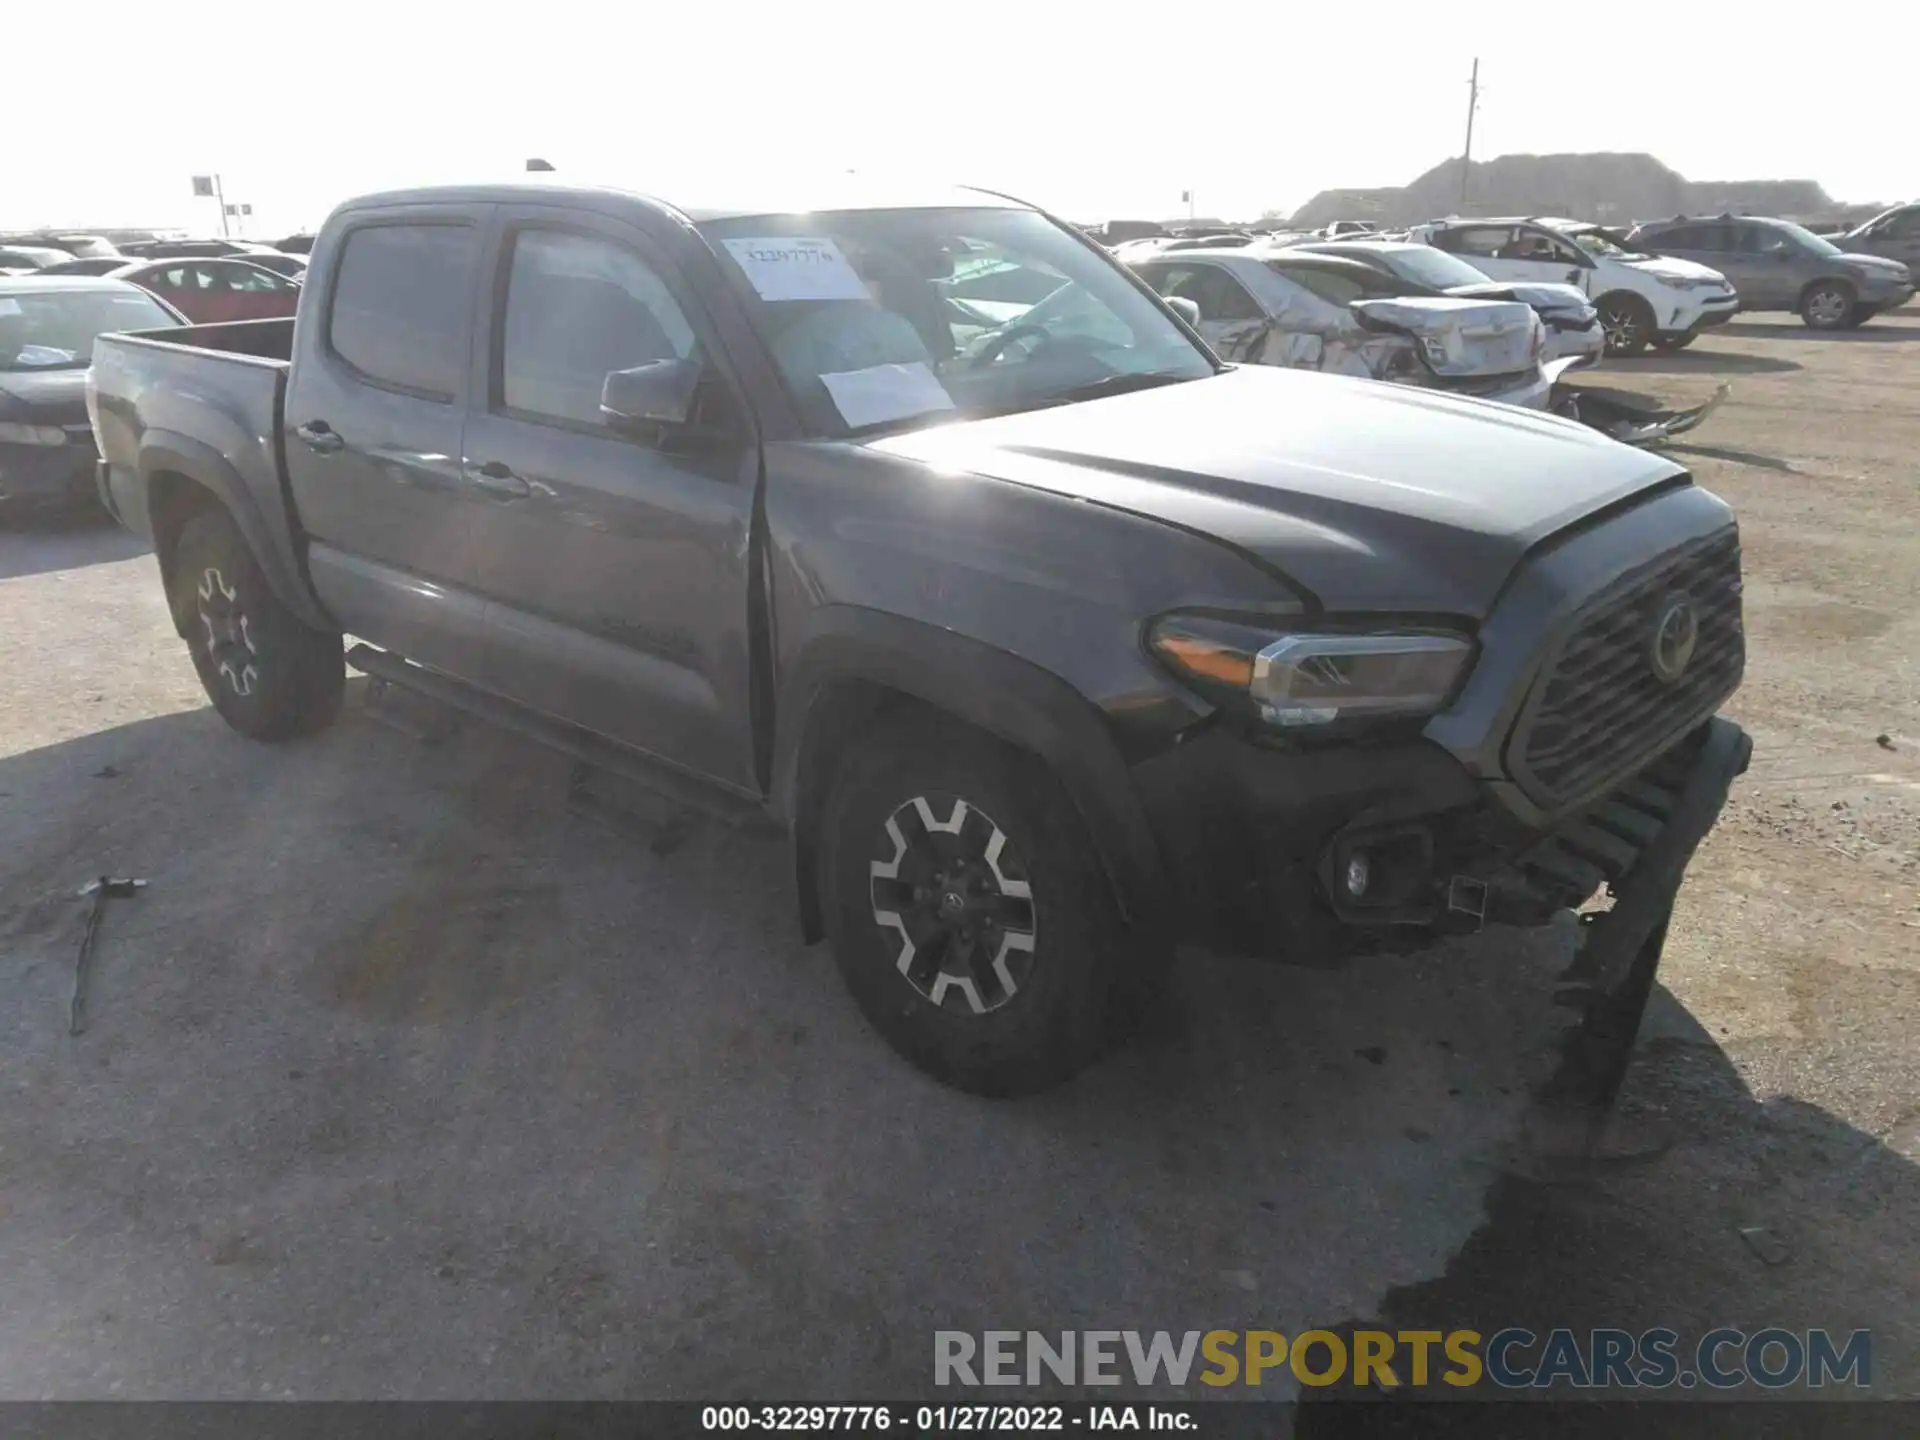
785	267
886	392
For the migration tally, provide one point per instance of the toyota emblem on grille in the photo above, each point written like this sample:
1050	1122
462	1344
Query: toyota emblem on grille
1675	633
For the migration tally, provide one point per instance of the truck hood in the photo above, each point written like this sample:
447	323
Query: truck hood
1367	496
1471	338
46	397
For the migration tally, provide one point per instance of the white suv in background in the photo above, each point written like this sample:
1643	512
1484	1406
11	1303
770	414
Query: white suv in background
1642	299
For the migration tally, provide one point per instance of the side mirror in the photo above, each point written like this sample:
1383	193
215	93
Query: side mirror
657	393
1184	308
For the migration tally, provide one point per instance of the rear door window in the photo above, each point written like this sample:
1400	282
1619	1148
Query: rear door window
400	305
1489	242
1334	286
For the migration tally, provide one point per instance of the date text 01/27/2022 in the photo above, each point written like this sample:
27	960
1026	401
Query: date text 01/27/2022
980	1419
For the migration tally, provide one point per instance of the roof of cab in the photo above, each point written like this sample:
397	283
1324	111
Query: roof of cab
721	202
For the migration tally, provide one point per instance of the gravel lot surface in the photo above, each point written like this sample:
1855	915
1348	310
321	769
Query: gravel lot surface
402	1080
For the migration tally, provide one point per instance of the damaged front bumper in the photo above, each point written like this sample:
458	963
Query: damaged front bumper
1312	856
1628	418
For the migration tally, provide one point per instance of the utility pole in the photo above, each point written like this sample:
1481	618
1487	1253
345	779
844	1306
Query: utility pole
220	198
1466	157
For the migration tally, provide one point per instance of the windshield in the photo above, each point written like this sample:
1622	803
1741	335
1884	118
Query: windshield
881	319
1806	239
54	330
1424	265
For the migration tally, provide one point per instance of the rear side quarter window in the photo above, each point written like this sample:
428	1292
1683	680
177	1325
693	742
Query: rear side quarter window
400	307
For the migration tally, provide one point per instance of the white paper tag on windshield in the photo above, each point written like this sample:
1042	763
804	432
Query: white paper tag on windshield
785	267
886	392
9	305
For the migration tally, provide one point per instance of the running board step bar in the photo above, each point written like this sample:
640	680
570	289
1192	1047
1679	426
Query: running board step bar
583	745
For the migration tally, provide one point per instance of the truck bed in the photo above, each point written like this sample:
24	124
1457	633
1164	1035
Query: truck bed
205	402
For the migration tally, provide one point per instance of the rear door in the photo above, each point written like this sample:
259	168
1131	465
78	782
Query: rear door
615	560
255	293
179	285
1767	267
374	414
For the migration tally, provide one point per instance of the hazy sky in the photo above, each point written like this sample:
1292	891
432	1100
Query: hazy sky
1094	111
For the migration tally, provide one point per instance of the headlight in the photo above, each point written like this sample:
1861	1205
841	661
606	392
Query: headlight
14	433
1312	680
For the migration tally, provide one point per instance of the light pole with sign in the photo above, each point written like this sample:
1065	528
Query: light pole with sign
207	187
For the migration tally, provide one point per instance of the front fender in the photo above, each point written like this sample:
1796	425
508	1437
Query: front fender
271	539
852	649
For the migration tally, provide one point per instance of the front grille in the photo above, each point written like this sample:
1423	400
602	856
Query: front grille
1599	709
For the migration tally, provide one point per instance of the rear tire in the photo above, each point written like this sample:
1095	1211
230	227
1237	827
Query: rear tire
1827	305
985	946
1627	321
269	674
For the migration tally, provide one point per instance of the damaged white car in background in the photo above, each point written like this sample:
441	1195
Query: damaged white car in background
1336	317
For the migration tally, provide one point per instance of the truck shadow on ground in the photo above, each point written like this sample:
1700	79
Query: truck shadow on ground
37	546
463	1075
1737	457
1831	1212
1695	362
1874	332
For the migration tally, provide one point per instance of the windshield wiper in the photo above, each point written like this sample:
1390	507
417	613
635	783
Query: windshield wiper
1115	385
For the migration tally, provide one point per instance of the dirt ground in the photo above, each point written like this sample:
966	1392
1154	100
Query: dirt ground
401	1079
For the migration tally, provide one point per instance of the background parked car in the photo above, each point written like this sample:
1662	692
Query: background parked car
27	259
209	292
178	249
294	267
1642	300
1322	312
84	246
89	265
295	245
1573	330
1779	265
47	329
1892	235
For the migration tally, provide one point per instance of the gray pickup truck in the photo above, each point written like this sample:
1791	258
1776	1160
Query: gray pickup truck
913	526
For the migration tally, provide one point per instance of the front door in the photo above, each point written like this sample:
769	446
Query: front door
374	414
615	560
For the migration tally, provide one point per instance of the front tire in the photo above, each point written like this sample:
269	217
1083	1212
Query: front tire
969	914
1675	342
268	673
1861	315
1827	306
1628	323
